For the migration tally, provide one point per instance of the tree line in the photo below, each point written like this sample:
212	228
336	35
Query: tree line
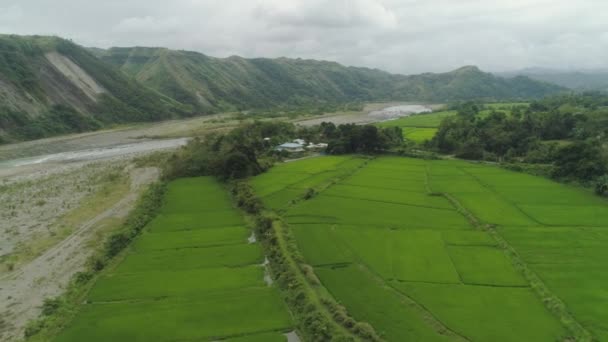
566	132
251	148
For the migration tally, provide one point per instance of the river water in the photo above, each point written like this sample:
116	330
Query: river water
95	153
396	112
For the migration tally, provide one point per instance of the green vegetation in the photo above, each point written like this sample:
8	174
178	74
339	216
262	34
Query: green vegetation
566	132
147	84
40	100
420	127
443	267
211	84
182	281
58	312
580	80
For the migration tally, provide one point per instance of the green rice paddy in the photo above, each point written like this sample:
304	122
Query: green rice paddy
419	127
191	276
411	263
421	250
422	127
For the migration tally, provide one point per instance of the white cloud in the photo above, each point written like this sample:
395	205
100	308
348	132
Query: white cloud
406	36
327	13
149	25
10	15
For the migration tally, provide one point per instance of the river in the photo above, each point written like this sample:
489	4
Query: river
92	154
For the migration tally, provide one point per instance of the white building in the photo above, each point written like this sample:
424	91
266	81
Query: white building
290	147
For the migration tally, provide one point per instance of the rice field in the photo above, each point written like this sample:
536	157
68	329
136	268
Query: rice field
419	127
424	272
422	127
192	275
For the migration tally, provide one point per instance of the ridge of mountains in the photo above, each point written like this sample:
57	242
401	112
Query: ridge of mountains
50	85
585	80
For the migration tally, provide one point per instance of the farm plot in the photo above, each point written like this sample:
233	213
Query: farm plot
572	262
419	127
381	230
564	241
186	279
290	181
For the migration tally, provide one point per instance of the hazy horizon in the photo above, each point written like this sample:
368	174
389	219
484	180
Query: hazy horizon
405	37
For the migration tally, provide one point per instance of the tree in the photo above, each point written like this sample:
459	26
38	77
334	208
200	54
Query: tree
581	160
601	185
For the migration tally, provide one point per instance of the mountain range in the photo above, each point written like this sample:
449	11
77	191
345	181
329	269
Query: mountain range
574	79
49	85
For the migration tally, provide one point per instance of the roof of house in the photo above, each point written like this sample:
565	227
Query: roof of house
291	145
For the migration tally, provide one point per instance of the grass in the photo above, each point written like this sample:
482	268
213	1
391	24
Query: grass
388	195
482	265
412	255
486	313
571	262
554	229
192	238
430	120
192	258
392	318
419	127
328	209
190	276
416	257
418	134
287	182
169	283
422	127
203	317
264	337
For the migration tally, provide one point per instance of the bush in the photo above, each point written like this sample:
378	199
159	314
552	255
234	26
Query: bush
50	306
601	185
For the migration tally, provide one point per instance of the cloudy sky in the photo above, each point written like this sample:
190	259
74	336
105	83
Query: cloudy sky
403	36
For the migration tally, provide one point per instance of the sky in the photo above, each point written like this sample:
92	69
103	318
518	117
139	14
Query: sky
399	36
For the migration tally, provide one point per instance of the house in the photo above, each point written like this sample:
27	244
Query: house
299	141
290	147
316	147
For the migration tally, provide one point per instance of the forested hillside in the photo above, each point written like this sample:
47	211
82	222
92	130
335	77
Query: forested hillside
52	86
209	83
579	80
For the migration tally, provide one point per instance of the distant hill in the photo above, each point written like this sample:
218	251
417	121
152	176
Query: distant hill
50	85
578	80
209	83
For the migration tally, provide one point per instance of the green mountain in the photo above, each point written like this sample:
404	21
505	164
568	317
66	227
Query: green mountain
210	84
52	86
579	80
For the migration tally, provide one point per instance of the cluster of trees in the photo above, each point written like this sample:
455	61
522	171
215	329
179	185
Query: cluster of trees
250	149
351	138
565	131
240	153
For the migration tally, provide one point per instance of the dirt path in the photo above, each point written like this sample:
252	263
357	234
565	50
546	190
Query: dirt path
23	292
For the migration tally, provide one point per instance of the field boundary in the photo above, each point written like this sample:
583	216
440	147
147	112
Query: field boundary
426	315
316	313
551	302
390	202
489	188
423	312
